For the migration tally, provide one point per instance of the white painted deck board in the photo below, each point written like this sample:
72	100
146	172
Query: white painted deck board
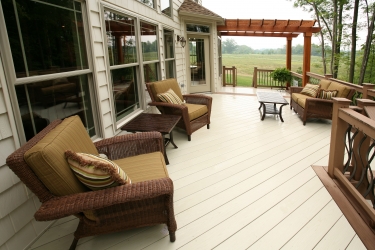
242	183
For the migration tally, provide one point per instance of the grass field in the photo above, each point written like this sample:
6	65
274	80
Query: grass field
245	64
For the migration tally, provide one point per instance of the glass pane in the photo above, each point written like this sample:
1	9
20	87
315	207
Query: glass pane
169	69
149	3
197	65
151	72
149	42
168	44
125	91
166	7
197	28
49	39
120	32
43	102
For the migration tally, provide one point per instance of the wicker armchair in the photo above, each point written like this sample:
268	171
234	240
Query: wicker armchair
142	203
194	104
310	107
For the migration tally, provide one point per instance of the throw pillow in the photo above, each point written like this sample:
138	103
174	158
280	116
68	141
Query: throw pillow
327	94
96	172
170	97
310	90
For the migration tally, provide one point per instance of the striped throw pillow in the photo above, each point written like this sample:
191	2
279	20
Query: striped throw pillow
310	90
170	97
327	94
95	172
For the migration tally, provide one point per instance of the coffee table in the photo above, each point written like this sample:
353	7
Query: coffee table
146	122
268	101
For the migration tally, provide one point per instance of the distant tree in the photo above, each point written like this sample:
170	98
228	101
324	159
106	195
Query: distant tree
229	46
243	49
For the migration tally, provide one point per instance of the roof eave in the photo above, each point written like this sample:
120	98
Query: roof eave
219	20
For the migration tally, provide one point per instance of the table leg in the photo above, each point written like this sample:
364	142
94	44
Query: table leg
264	111
171	139
281	108
260	105
165	151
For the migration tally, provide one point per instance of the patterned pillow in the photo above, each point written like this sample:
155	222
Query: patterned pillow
310	90
96	172
327	94
170	97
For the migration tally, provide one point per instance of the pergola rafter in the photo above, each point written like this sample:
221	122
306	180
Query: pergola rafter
275	28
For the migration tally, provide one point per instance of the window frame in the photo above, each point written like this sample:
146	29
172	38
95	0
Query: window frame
13	81
174	53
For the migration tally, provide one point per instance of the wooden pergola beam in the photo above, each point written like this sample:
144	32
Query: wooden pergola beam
246	33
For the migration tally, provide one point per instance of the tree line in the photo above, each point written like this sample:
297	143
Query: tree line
340	53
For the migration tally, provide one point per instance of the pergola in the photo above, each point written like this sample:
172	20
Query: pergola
275	28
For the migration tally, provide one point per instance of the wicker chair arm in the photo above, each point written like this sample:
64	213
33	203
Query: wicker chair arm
319	101
295	89
128	145
198	99
60	207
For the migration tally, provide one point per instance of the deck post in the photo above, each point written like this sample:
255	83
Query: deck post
366	87
288	56
337	146
255	77
306	57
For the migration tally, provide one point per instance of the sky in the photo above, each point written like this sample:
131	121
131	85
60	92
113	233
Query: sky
260	9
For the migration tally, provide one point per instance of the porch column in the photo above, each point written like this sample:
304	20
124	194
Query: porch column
306	57
288	56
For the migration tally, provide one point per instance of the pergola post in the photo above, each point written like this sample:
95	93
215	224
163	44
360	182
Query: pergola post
306	57
288	56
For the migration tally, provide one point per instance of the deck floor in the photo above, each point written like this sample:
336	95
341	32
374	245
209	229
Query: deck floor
242	184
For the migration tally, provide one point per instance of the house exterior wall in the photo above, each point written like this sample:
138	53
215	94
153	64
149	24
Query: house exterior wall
18	228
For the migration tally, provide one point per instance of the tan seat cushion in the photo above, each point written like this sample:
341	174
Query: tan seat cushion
296	96
196	110
163	86
324	84
48	161
343	90
144	167
302	100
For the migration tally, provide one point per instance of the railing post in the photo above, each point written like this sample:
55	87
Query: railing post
339	127
224	76
366	87
327	76
255	77
234	79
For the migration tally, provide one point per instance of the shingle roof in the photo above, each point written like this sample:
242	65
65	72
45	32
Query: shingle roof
191	7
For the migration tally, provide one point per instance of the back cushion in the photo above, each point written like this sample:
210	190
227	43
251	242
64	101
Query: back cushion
47	158
324	84
343	90
163	86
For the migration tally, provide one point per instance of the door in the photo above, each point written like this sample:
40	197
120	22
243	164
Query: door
199	67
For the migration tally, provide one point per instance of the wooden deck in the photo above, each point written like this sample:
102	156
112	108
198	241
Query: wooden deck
244	183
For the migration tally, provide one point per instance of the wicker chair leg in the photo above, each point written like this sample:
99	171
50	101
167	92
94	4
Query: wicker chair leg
208	126
74	244
172	236
189	137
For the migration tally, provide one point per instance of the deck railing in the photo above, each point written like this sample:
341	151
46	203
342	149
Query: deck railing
230	76
351	155
262	78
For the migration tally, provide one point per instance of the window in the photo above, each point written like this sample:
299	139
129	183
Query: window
169	54
165	6
197	28
149	3
220	55
150	52
122	56
49	38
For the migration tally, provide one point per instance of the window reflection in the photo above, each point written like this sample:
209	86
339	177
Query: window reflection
165	6
125	93
49	38
149	42
120	32
151	72
169	69
149	3
46	101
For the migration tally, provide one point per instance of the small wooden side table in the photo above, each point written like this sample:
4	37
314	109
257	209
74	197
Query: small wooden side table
146	122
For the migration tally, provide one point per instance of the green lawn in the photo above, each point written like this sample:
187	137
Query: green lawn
245	64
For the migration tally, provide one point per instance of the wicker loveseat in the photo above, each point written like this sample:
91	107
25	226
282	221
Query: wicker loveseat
42	166
316	107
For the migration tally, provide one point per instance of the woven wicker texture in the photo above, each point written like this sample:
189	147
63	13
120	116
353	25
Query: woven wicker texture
123	207
181	110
